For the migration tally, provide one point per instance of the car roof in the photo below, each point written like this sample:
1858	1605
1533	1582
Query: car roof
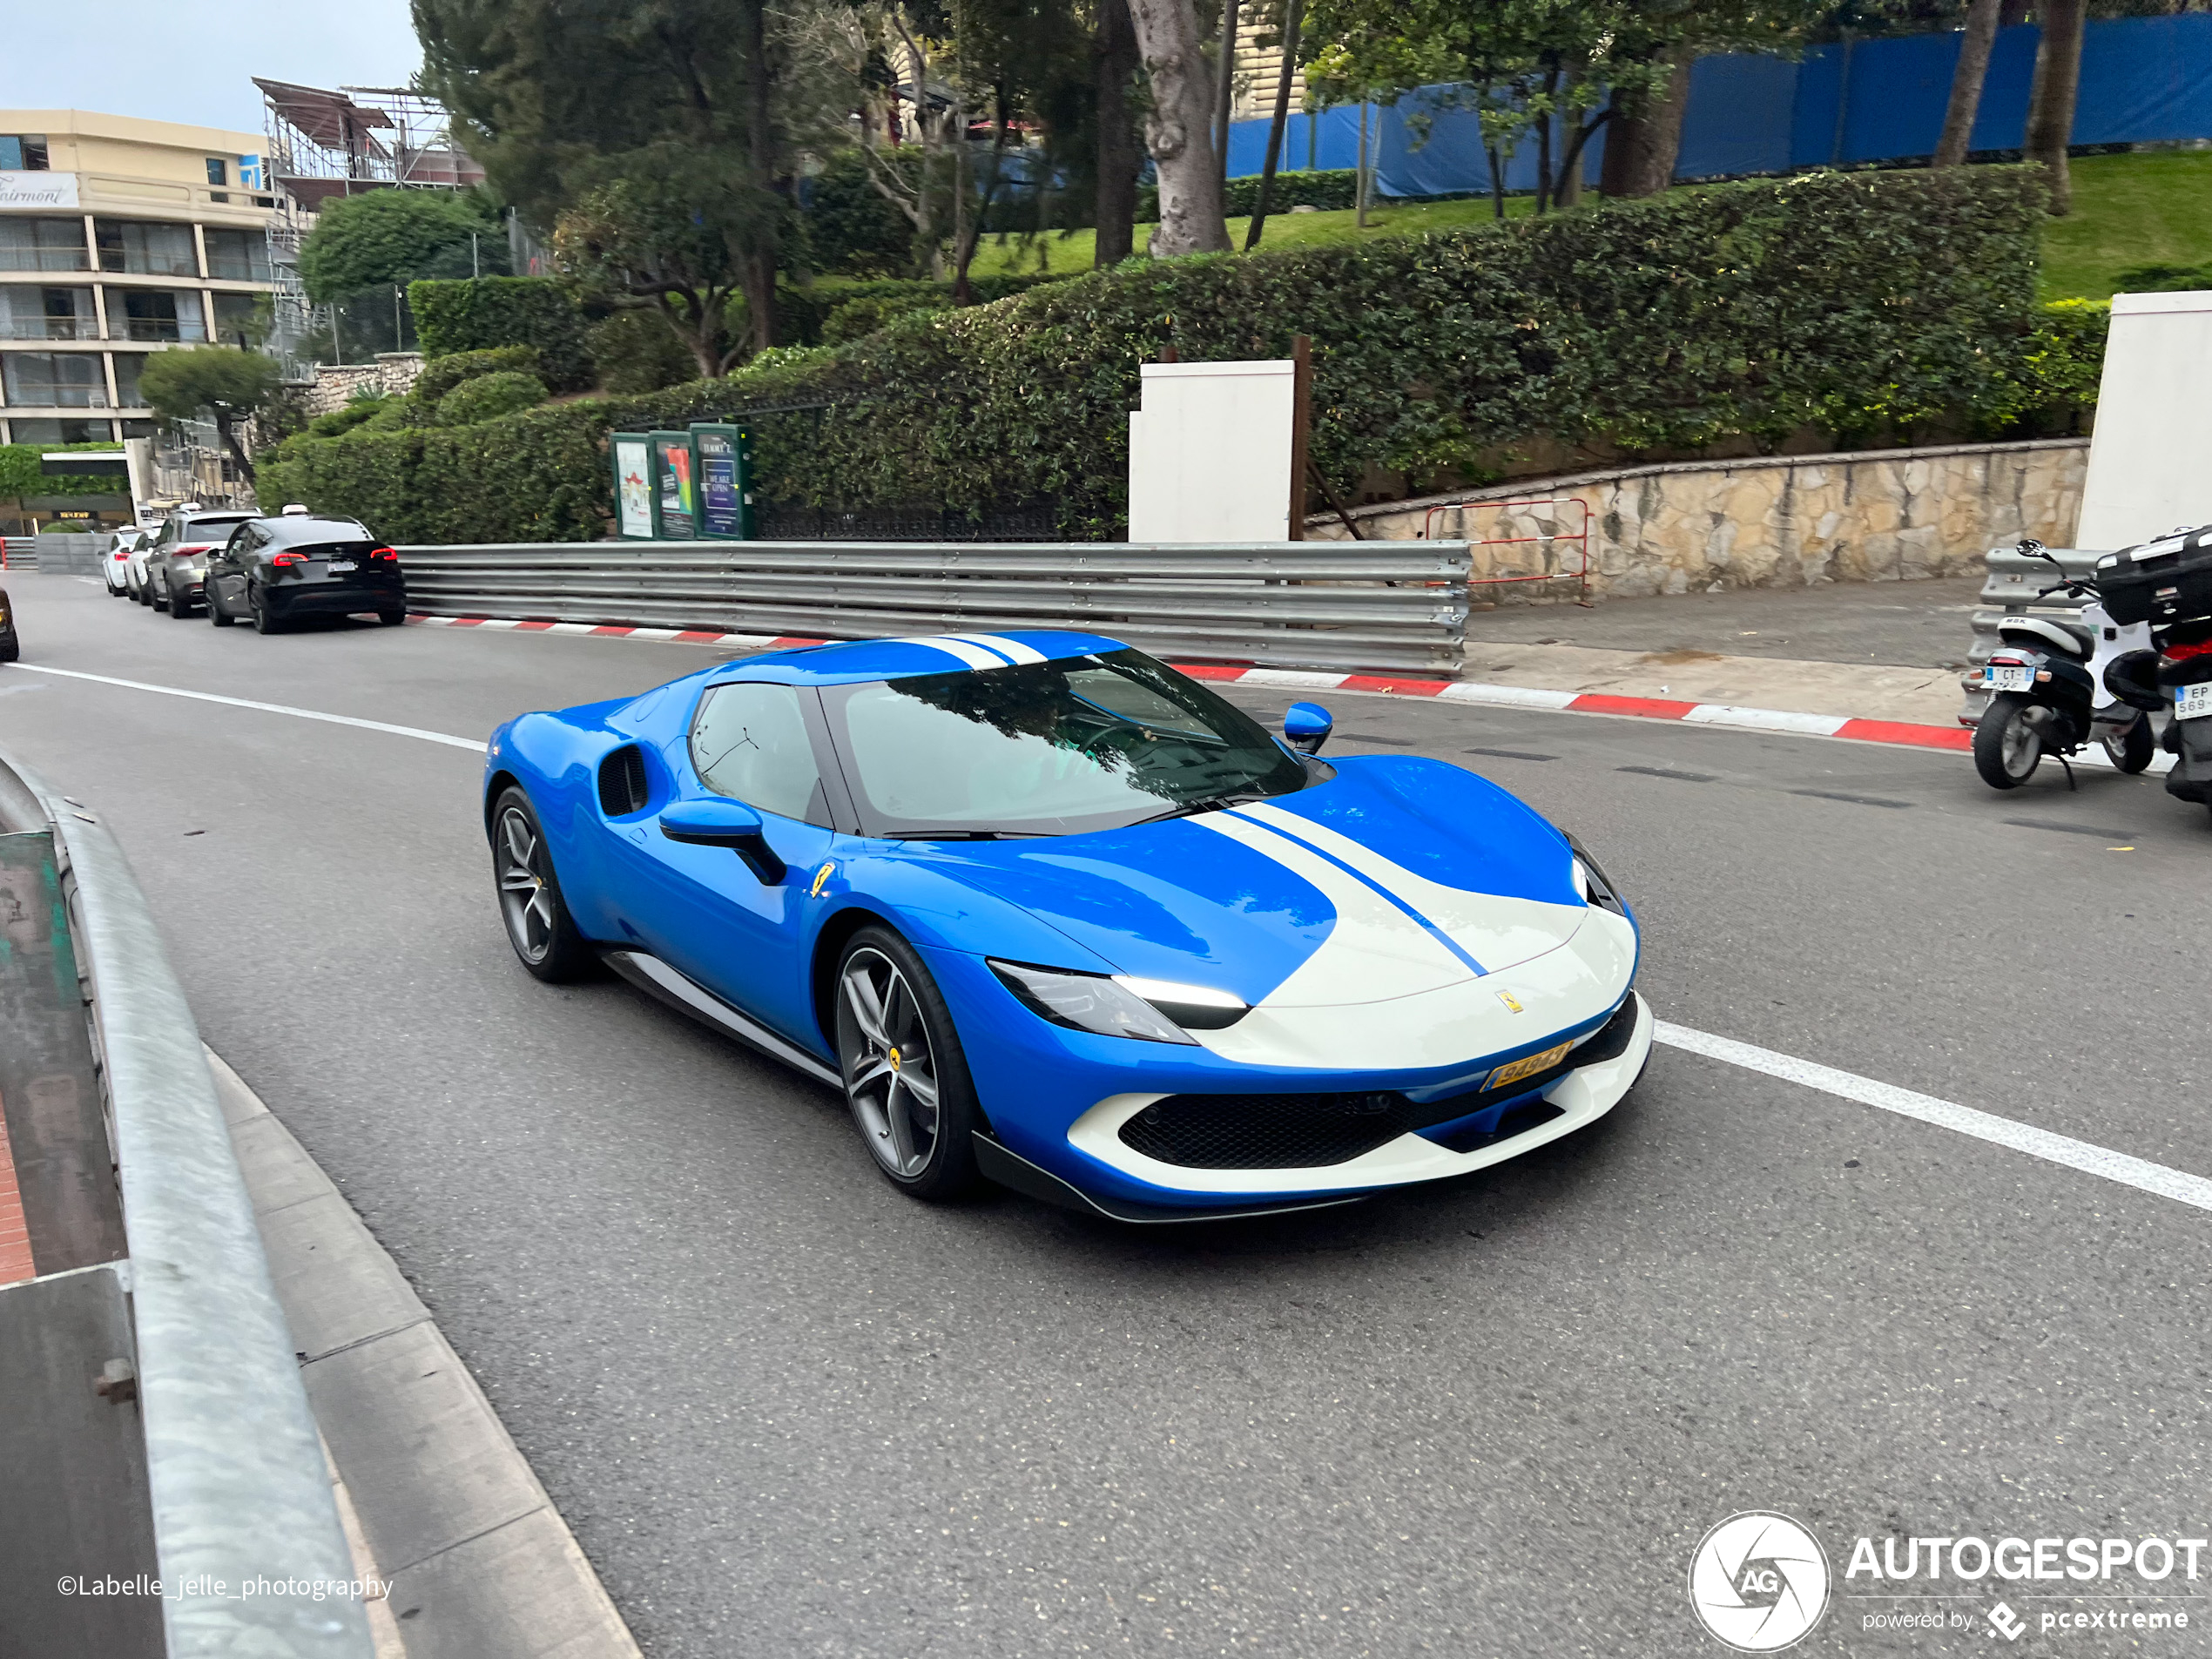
292	527
847	661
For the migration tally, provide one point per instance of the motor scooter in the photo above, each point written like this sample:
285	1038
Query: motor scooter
2047	692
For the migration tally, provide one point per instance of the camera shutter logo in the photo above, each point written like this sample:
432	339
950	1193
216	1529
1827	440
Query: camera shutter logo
1759	1581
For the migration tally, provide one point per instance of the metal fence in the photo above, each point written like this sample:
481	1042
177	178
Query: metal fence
18	553
243	1526
72	552
2010	590
1302	605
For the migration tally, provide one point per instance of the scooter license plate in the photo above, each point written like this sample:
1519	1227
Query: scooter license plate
2191	701
1999	677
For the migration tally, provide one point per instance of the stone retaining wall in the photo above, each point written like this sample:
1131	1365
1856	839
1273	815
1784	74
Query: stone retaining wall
334	384
1775	522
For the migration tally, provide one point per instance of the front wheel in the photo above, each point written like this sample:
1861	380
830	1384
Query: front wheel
391	618
538	924
216	614
2131	750
2006	748
906	1078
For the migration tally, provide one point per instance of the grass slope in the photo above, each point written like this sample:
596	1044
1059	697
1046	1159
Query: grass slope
2154	209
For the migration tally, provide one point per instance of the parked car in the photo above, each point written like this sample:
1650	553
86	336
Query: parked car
115	569
8	649
176	565
275	571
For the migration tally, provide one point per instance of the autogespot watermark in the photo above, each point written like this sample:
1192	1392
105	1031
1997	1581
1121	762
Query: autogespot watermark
246	1590
1760	1583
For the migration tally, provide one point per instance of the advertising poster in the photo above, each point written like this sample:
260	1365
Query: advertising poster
678	496
633	465
725	510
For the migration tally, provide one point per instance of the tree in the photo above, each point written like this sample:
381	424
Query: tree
1979	34
2050	101
559	101
669	236
1293	19
1178	129
1116	157
231	386
388	236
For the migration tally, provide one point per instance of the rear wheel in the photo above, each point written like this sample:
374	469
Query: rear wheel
263	622
2006	748
906	1078
391	618
179	607
2131	750
538	925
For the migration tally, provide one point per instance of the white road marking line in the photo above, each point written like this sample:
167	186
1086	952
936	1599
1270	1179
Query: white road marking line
2140	1173
475	745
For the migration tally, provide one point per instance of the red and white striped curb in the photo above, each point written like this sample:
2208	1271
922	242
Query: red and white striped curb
1513	697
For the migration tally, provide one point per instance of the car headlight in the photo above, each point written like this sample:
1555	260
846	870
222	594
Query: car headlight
1119	1005
1595	887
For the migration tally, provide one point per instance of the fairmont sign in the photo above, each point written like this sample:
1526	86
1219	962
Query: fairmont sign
20	190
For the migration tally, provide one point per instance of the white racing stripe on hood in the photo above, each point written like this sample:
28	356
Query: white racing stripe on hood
1497	932
1373	953
1014	648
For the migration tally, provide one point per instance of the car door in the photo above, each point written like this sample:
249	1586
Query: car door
701	909
226	569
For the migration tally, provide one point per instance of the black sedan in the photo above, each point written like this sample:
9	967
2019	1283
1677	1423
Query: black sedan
275	571
8	649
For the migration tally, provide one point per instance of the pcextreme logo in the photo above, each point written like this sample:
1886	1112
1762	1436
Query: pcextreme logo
1759	1581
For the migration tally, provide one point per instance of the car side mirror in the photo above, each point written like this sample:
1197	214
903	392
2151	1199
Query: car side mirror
723	823
1306	727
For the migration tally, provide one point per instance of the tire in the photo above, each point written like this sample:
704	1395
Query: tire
158	601
179	610
530	907
2134	751
258	608
2007	752
391	618
887	1004
216	614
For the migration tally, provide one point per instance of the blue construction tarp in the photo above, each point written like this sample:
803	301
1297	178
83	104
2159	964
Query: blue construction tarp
2144	80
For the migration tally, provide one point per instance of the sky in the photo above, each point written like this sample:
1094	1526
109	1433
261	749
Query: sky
194	60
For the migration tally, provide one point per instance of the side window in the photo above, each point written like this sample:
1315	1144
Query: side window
750	742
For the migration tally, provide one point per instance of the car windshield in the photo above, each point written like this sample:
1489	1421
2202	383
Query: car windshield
1053	748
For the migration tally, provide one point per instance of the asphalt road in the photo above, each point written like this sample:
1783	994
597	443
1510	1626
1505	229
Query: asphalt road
789	1412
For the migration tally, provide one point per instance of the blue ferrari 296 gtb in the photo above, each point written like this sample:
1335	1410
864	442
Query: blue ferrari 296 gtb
1050	913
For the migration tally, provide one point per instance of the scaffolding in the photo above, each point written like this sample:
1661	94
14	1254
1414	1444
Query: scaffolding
323	143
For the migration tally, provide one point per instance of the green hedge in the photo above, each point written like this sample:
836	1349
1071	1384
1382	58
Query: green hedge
476	314
486	397
19	473
1868	307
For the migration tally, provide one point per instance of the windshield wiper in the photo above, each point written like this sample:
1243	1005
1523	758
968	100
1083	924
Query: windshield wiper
970	835
1192	808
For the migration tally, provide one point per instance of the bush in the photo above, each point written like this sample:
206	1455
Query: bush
857	319
337	423
479	313
385	236
1861	305
850	229
20	474
488	396
441	374
637	351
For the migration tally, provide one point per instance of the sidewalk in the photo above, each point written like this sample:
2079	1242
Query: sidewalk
1874	651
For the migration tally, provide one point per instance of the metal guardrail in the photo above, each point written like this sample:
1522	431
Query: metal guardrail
2009	590
71	552
18	553
246	1528
1302	605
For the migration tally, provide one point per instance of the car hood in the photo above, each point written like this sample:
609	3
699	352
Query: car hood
1400	876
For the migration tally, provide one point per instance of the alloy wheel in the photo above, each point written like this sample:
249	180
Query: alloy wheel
890	1068
2023	747
525	886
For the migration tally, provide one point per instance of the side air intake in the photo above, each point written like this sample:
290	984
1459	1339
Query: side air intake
622	782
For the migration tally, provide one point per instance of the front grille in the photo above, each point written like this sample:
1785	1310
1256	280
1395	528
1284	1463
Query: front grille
1311	1131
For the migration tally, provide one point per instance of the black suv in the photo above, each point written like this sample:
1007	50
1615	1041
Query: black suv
273	572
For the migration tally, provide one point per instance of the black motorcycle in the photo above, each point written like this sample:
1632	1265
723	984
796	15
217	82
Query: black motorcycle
2046	692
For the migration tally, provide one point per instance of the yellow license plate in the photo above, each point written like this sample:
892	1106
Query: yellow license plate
1514	1070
